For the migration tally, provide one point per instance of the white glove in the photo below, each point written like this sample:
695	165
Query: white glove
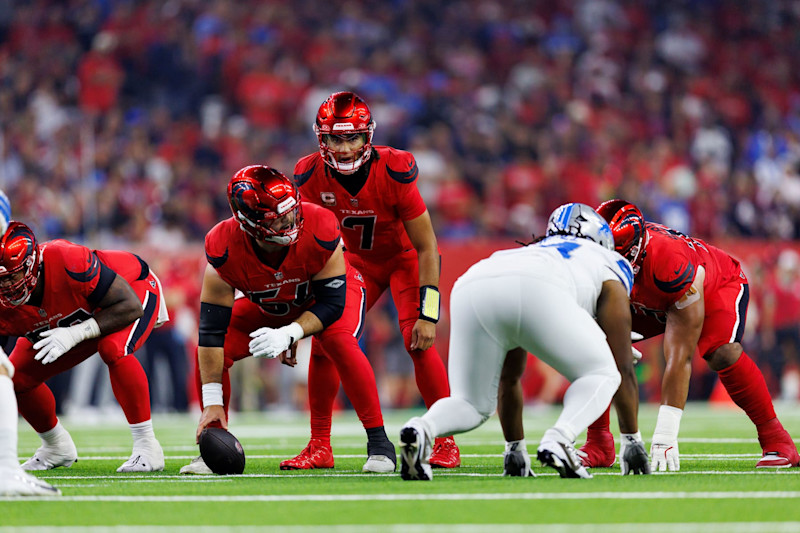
636	337
637	355
56	342
5	362
664	448
270	342
632	456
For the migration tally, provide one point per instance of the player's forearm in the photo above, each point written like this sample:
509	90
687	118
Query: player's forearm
429	267
310	324
675	383
211	362
626	402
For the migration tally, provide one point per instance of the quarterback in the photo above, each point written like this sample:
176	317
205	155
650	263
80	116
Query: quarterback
388	237
66	302
564	298
284	258
696	295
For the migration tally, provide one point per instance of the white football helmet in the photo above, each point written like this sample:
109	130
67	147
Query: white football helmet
580	220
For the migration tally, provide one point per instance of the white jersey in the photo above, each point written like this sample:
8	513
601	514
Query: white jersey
579	266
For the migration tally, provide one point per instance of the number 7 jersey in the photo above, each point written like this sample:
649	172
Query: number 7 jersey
372	219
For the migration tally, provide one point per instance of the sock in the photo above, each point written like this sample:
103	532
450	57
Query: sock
38	407
600	427
377	434
356	374
323	385
8	424
431	375
747	388
142	432
54	436
129	383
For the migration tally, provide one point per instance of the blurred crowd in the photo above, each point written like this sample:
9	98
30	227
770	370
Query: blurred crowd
121	121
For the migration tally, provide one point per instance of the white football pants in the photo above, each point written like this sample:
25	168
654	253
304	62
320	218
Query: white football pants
492	315
8	424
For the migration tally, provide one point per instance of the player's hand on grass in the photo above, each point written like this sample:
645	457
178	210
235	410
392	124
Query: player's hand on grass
632	455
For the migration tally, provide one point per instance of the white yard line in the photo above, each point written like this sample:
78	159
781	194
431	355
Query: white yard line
358	498
706	527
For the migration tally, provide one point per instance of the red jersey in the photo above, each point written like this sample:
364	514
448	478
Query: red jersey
669	267
372	219
283	293
76	279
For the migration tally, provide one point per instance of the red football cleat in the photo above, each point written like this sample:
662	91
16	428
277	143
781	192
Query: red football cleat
445	453
316	455
778	447
598	451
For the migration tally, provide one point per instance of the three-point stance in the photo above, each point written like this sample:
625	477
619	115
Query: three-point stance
696	295
284	257
66	302
564	298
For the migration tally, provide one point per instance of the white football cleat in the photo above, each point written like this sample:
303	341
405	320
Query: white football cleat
379	464
145	458
197	467
17	482
562	457
49	457
415	451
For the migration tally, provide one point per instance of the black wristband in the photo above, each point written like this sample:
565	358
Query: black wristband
429	303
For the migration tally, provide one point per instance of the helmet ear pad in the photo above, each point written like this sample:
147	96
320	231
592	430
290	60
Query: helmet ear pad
258	196
344	113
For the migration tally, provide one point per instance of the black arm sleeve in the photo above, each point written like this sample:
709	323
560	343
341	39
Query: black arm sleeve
214	320
330	296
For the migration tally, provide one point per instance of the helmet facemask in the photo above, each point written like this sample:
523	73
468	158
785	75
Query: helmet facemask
266	205
628	226
19	265
342	119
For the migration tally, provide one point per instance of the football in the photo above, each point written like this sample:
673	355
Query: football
221	451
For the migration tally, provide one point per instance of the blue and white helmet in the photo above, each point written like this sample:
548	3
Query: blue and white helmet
5	212
580	220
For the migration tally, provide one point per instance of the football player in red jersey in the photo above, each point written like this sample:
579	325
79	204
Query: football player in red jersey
284	257
697	296
388	237
66	302
14	481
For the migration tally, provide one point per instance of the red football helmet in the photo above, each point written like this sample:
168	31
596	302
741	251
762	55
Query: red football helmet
627	225
344	114
262	199
19	264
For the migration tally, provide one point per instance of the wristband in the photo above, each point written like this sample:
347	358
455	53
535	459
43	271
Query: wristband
627	437
429	303
295	332
88	329
668	422
212	394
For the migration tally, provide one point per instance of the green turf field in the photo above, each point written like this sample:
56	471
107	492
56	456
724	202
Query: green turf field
718	488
